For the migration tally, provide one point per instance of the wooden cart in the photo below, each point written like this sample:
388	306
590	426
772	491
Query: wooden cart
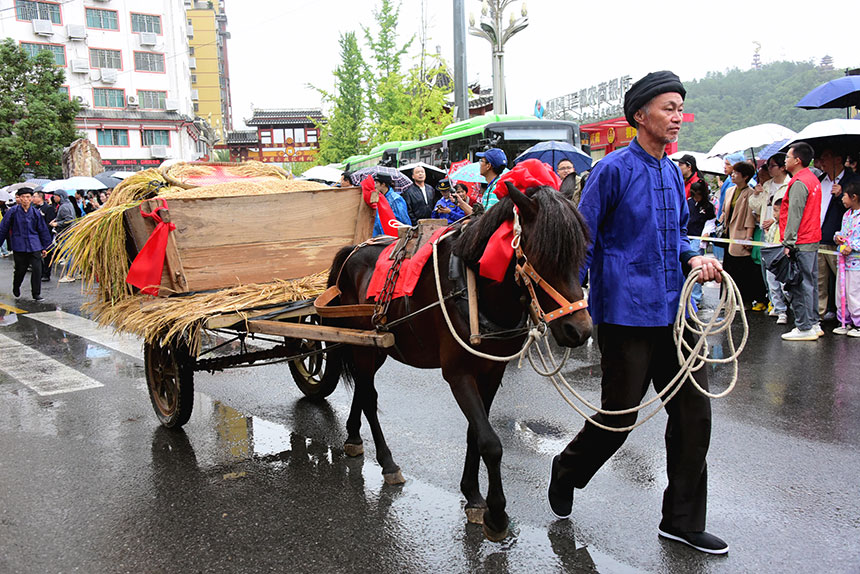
221	242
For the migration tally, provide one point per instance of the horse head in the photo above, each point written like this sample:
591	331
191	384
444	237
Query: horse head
552	249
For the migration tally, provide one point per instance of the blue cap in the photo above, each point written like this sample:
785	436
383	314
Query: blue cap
495	156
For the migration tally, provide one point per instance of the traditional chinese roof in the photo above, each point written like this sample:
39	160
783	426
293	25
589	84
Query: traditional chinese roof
242	137
284	116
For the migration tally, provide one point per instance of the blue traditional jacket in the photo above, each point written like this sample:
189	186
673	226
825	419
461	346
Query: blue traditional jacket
398	206
637	215
26	230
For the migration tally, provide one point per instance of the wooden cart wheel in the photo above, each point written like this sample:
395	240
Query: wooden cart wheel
170	380
316	376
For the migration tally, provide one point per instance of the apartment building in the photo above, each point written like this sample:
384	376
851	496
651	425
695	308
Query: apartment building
210	69
127	62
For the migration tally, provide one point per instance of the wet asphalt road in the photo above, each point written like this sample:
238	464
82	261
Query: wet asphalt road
258	481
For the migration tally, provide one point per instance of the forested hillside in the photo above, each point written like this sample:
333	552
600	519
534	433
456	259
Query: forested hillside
738	99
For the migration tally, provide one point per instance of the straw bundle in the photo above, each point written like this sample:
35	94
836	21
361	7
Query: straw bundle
251	186
185	174
160	320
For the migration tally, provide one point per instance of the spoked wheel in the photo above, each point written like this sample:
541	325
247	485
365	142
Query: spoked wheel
170	380
315	375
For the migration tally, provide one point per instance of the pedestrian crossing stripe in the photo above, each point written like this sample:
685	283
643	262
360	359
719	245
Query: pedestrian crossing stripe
12	309
41	373
90	330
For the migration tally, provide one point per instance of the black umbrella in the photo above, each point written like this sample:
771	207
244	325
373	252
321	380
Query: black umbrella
109	180
434	174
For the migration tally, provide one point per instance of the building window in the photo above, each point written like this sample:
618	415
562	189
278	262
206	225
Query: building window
152	100
59	52
190	50
108	98
148	62
193	78
312	135
30	10
196	107
65	91
105	58
145	23
102	19
116	138
155	137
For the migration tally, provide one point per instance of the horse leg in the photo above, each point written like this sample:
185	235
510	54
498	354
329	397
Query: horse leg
367	397
490	448
354	446
475	503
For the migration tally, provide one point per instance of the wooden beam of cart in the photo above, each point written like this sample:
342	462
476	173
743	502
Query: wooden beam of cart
322	333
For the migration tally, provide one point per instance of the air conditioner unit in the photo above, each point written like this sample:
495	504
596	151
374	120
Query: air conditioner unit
80	66
109	75
148	39
43	28
158	151
132	101
76	32
192	63
82	101
171	105
195	95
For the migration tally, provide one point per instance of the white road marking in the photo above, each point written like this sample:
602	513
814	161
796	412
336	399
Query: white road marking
92	331
40	372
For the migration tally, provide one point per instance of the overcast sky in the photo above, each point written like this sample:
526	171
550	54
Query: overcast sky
280	46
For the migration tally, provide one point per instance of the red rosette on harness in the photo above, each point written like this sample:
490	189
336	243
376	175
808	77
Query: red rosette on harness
146	270
499	251
382	207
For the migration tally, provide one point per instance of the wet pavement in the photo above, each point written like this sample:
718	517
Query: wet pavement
258	481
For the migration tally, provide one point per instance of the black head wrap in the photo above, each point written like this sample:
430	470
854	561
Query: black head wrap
649	87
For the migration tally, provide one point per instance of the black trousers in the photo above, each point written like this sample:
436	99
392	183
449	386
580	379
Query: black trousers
23	261
748	277
631	359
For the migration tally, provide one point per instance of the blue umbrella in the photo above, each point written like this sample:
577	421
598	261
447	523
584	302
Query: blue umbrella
470	173
767	151
552	152
839	93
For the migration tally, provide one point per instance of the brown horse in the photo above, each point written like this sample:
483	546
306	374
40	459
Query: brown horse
553	239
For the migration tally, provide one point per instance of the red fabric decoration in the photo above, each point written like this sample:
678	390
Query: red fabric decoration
498	253
382	207
410	269
146	269
526	174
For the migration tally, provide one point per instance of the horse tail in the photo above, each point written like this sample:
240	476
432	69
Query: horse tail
339	355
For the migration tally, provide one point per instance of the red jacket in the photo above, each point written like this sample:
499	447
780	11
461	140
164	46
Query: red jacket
810	224
693	179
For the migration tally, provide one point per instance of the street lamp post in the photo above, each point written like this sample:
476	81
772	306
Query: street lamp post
492	29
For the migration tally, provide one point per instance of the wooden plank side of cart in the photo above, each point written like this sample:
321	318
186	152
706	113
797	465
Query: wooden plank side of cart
325	333
227	241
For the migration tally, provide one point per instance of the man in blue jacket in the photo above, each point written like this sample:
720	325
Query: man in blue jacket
637	215
29	238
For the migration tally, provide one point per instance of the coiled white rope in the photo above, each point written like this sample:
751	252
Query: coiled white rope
690	358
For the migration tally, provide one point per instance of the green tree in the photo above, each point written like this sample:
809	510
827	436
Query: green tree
422	114
36	120
341	135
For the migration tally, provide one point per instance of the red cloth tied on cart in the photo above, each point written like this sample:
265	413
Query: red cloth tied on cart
382	207
146	269
410	269
499	251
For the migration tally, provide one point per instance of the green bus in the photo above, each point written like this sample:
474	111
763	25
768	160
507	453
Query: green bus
460	140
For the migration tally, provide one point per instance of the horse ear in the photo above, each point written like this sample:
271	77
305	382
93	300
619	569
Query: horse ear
525	204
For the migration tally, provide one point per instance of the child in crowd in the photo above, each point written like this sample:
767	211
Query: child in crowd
848	281
453	205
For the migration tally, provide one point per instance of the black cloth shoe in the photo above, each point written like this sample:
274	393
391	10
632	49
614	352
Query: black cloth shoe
46	279
16	291
38	298
701	541
560	499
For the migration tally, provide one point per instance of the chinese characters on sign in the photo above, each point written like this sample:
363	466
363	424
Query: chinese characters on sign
592	104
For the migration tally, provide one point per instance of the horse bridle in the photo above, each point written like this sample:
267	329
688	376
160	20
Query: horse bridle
527	275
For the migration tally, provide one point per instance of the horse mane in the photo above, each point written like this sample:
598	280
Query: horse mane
558	239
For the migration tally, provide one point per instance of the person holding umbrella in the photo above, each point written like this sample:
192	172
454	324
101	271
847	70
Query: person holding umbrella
29	237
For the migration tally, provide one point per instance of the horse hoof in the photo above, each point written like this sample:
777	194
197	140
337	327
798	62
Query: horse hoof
353	450
494	536
393	477
475	515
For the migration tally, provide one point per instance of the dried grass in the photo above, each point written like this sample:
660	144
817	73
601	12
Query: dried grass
251	186
160	320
